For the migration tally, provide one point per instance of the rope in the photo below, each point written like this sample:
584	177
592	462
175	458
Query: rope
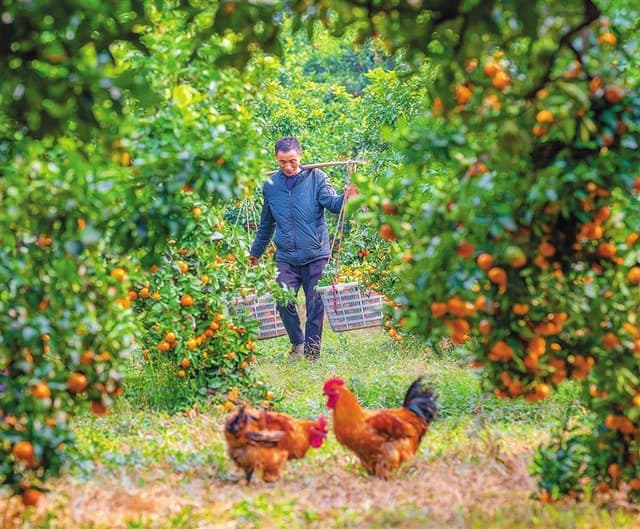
338	236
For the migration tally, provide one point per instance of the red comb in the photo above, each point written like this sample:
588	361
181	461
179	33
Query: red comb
331	383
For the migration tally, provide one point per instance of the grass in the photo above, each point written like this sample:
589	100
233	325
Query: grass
141	467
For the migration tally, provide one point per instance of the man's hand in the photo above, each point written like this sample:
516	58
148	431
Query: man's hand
350	191
254	260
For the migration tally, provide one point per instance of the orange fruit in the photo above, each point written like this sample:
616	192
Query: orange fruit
77	382
501	80
437	106
182	373
546	249
518	262
438	308
613	94
465	249
633	275
31	497
119	274
163	346
478	168
87	358
170	336
544	116
23	450
491	68
463	94
536	346
456	306
98	408
538	131
386	232
387	206
185	362
485	261
183	267
602	214
614	470
196	212
500	351
481	303
610	341
484	326
608	38
186	300
497	275
543	390
41	390
606	250
520	309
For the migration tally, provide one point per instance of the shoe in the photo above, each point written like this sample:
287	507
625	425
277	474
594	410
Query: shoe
311	352
297	351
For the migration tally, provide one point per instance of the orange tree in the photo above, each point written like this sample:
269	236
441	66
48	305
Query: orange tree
87	200
190	322
527	149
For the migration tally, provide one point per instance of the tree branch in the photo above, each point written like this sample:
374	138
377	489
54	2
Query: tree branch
591	13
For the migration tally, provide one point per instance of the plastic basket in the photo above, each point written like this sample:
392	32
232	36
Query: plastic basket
263	309
348	307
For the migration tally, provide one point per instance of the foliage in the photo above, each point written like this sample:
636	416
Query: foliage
92	136
159	456
529	241
190	320
519	122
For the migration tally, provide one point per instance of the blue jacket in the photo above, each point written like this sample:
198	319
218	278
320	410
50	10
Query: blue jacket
297	217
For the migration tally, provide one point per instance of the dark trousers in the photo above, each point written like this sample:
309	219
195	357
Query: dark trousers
305	276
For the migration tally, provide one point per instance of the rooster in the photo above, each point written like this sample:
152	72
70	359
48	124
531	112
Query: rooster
382	439
264	440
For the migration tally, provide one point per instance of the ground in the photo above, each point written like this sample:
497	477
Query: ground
325	490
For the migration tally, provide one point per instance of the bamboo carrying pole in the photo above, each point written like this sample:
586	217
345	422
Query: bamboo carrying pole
324	164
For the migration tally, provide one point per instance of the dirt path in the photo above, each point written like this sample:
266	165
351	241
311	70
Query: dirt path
439	489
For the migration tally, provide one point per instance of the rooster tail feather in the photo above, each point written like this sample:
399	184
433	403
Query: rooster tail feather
238	422
421	400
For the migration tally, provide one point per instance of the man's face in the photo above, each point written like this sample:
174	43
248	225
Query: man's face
289	162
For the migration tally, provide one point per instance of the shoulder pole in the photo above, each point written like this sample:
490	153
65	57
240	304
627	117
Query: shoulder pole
325	164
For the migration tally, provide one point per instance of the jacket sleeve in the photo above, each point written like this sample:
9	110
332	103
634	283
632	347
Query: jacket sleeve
327	195
265	229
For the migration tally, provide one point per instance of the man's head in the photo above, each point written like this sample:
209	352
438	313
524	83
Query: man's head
288	154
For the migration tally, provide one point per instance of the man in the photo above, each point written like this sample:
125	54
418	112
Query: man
294	202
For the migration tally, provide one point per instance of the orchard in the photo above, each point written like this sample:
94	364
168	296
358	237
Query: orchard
499	203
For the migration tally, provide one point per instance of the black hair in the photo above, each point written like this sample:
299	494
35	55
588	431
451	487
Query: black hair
288	143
